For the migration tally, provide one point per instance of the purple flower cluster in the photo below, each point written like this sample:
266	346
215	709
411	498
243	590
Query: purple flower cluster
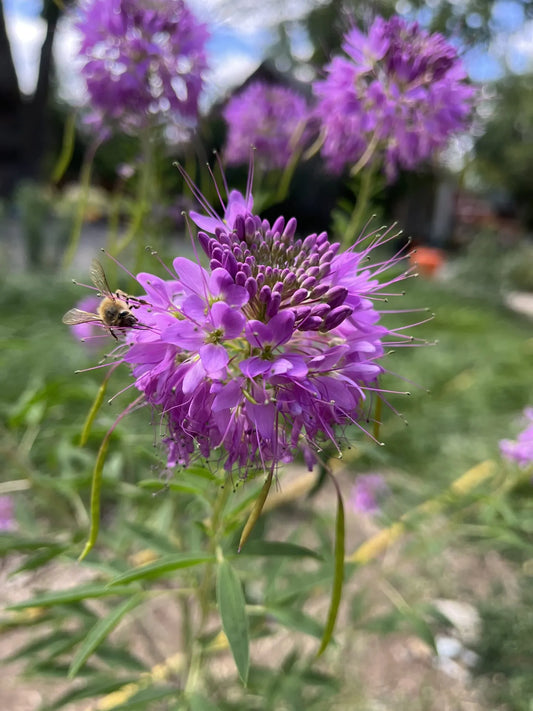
267	351
366	493
521	450
7	518
400	91
270	118
144	61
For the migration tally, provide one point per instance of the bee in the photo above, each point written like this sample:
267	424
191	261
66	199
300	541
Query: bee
114	309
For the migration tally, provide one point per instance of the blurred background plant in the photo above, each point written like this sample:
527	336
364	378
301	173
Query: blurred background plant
63	182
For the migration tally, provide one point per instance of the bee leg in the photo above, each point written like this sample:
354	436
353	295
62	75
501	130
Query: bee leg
113	334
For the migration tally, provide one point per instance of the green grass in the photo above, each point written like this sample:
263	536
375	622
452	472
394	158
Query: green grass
471	386
44	405
479	376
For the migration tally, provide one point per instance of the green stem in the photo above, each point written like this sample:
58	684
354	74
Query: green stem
194	649
85	184
361	206
143	199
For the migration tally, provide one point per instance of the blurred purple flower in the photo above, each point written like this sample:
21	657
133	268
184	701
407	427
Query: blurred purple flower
521	450
7	518
398	94
144	61
90	333
269	117
366	493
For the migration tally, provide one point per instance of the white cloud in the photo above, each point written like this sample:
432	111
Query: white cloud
228	74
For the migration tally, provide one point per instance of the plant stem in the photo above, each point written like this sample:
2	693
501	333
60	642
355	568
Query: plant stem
143	200
204	596
361	206
85	184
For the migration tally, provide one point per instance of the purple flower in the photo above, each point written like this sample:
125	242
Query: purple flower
271	349
398	93
144	61
366	492
520	451
271	118
7	519
89	333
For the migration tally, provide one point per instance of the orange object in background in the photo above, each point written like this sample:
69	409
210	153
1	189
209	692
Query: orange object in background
428	260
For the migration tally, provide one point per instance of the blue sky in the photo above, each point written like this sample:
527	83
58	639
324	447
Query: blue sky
239	41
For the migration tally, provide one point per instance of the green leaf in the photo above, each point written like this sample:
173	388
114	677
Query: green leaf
198	702
150	538
71	595
160	567
296	620
96	687
97	404
256	510
99	632
40	558
12	542
422	629
119	658
173	486
279	548
201	471
338	575
53	643
231	606
142	698
67	148
300	587
96	486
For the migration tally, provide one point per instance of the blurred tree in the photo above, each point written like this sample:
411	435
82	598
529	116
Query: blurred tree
504	153
22	118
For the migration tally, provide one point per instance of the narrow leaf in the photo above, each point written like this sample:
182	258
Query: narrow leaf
150	538
157	484
96	488
67	146
118	658
142	698
296	620
98	400
231	606
97	481
72	595
96	687
160	567
279	548
40	558
20	544
53	643
338	575
256	511
198	702
99	632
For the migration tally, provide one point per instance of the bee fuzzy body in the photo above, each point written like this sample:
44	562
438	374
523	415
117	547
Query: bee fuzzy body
113	311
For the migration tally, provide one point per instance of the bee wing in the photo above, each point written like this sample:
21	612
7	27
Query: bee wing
75	316
98	278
